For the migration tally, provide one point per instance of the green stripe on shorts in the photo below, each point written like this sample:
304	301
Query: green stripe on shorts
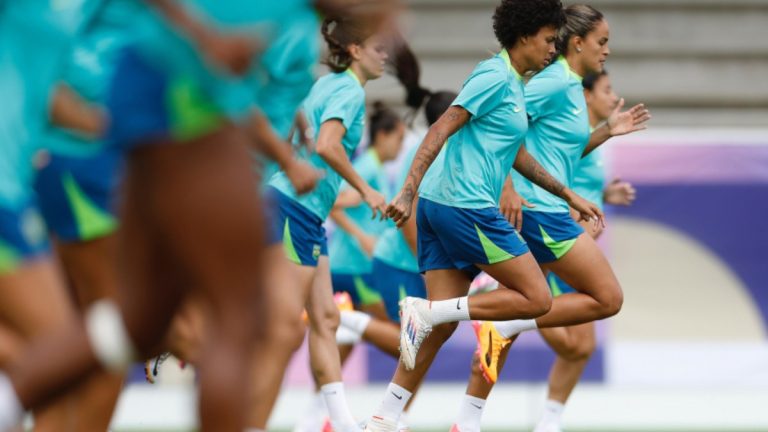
9	259
290	250
494	253
558	248
367	295
92	222
192	113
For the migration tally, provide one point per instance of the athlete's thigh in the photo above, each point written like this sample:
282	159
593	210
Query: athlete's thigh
33	299
585	267
153	281
521	274
92	268
285	291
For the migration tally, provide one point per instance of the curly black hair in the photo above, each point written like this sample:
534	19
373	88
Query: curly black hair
514	19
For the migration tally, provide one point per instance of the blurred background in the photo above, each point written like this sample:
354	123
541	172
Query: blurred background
689	351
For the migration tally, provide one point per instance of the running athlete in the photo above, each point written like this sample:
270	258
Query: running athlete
574	351
335	109
558	136
575	345
76	187
459	224
351	247
189	191
35	37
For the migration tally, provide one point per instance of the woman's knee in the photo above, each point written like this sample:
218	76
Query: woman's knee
581	350
325	318
612	300
287	332
541	302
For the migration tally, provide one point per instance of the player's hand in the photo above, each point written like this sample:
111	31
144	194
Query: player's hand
619	192
399	210
632	120
511	207
302	176
376	202
587	211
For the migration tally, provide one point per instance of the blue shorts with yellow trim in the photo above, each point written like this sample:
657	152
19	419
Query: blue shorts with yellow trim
549	235
558	286
358	286
394	284
22	237
457	238
77	195
301	231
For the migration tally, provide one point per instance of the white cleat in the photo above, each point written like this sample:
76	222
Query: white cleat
380	424
414	328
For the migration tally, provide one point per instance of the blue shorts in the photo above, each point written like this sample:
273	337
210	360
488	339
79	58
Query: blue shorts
274	230
558	286
358	286
146	104
457	238
22	237
394	284
549	235
301	231
77	195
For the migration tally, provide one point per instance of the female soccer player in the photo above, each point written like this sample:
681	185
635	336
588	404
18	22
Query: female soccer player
335	109
574	344
352	246
77	186
35	38
459	224
189	192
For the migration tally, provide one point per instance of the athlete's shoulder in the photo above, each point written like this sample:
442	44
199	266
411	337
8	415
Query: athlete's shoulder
553	79
493	68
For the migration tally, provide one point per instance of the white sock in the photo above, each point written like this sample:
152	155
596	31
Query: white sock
445	311
553	412
394	402
470	414
347	336
355	320
402	423
314	416
11	411
507	329
338	410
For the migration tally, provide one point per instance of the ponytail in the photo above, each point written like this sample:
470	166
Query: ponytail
341	32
